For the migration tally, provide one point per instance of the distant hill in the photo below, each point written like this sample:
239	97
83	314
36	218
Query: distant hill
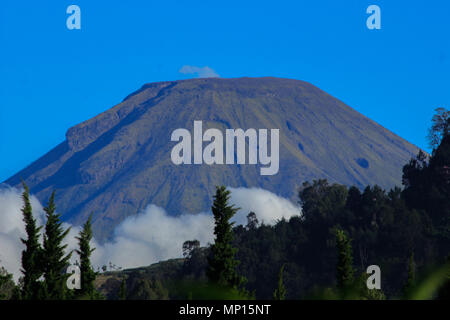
118	162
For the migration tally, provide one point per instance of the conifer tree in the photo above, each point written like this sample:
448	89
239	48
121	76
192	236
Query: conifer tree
54	258
280	291
87	275
222	262
32	254
345	272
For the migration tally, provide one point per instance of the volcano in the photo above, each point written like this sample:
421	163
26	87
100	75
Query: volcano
118	162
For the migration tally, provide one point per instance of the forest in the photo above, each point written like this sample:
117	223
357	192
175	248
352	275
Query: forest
406	232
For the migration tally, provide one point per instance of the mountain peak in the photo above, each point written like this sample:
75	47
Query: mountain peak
118	162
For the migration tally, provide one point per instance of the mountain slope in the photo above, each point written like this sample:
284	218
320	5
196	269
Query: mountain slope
118	162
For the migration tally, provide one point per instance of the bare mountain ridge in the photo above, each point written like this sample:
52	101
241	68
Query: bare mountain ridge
118	162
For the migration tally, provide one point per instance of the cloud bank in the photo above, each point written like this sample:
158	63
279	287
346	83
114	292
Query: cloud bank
268	206
149	237
153	236
200	72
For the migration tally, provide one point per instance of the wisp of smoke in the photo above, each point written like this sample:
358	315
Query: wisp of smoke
201	72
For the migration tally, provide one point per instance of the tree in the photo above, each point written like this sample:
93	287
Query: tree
438	196
280	291
7	286
32	254
415	180
252	221
364	293
320	200
189	247
123	290
54	258
345	272
440	127
87	274
411	281
222	262
427	183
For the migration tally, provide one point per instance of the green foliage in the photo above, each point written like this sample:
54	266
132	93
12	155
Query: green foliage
54	259
87	275
444	289
149	289
344	269
411	281
432	285
32	254
7	285
427	184
195	264
362	292
382	227
280	291
222	262
198	290
320	200
123	290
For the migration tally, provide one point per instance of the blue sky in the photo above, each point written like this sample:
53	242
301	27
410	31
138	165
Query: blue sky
53	78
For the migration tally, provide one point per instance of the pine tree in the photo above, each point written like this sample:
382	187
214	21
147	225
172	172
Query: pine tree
280	291
32	254
87	275
222	262
345	272
54	259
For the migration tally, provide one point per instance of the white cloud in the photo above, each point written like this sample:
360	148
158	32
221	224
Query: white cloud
151	236
12	228
201	72
268	206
